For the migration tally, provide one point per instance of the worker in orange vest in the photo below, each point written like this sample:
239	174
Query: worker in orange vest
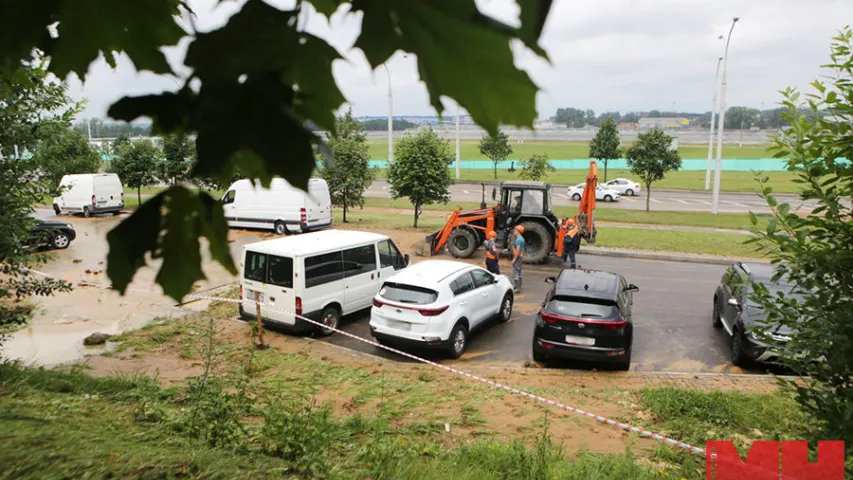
571	242
492	253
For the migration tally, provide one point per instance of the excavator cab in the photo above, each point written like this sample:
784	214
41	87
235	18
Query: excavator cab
523	203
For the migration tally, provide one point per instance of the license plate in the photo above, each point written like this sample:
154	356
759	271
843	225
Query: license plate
400	325
252	297
580	340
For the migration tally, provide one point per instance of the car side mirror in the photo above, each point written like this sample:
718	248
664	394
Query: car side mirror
734	302
406	260
632	288
550	279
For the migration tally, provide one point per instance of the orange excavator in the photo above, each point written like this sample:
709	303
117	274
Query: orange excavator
521	203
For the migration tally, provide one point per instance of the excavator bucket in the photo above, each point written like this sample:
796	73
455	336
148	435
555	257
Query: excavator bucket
426	248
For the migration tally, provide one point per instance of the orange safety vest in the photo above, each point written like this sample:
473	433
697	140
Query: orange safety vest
573	231
489	254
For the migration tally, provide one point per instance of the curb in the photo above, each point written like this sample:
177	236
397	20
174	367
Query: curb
603	252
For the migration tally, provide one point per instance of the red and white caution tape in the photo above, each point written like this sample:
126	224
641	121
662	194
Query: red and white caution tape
644	433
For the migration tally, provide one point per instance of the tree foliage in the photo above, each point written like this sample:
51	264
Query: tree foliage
64	151
260	81
102	129
178	154
742	117
651	157
496	148
605	146
380	124
536	167
815	252
572	117
350	175
30	105
136	165
419	171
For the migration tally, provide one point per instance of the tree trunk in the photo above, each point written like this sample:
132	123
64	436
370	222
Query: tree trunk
496	170
416	217
605	171
648	195
345	206
139	195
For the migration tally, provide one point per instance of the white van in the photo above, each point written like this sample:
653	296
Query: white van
320	275
282	208
90	193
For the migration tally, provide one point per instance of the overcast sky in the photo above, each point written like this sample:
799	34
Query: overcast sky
622	55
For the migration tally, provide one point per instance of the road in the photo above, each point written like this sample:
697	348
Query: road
673	331
660	200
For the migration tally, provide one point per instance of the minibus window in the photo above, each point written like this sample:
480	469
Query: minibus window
281	271
256	267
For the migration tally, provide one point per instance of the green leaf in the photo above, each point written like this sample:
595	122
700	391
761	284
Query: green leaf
23	25
533	16
771	226
168	111
379	37
326	7
318	95
771	200
168	226
140	29
752	218
784	208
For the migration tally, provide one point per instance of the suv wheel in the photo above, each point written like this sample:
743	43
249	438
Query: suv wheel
715	315
738	355
629	192
506	308
625	364
576	196
458	341
608	198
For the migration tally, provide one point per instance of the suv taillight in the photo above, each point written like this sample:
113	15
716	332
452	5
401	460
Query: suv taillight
377	303
432	312
614	325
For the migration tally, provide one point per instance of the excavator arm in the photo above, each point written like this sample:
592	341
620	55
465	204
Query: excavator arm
585	219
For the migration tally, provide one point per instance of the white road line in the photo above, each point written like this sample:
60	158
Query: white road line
655	200
739	205
627	199
465	192
706	203
685	202
563	196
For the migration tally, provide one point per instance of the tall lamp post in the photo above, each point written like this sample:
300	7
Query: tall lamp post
391	113
713	123
715	196
457	142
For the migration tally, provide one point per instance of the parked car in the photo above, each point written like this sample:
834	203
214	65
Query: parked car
282	207
743	320
319	275
587	315
89	194
54	235
438	303
601	193
623	186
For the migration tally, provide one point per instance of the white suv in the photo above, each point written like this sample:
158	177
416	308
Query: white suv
437	303
624	186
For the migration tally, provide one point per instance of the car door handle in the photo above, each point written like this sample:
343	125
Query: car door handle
485	294
463	303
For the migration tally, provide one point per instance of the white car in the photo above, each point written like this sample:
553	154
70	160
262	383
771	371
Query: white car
437	303
624	186
601	193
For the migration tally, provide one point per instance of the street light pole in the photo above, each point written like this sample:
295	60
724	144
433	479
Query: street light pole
715	196
713	123
457	142
390	114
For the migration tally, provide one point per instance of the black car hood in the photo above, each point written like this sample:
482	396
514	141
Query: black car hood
756	317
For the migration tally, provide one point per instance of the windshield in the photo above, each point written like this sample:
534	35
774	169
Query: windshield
397	292
787	290
591	308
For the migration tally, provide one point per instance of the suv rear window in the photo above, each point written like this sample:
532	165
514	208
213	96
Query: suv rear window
579	307
400	293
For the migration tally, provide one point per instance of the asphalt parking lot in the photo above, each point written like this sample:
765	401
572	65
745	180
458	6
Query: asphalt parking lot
673	331
672	324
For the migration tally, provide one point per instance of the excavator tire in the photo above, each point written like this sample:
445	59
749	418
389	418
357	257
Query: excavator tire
462	242
538	243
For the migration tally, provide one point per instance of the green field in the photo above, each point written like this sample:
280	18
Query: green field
567	150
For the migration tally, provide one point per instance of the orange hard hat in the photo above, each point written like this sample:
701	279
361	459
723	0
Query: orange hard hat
493	234
570	222
519	229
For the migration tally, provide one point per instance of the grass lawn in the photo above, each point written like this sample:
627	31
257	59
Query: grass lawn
684	180
602	213
302	415
567	150
722	244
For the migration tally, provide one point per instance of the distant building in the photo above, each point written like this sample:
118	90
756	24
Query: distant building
628	125
664	122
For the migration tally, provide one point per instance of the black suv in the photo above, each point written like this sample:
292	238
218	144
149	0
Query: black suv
586	316
54	235
739	315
